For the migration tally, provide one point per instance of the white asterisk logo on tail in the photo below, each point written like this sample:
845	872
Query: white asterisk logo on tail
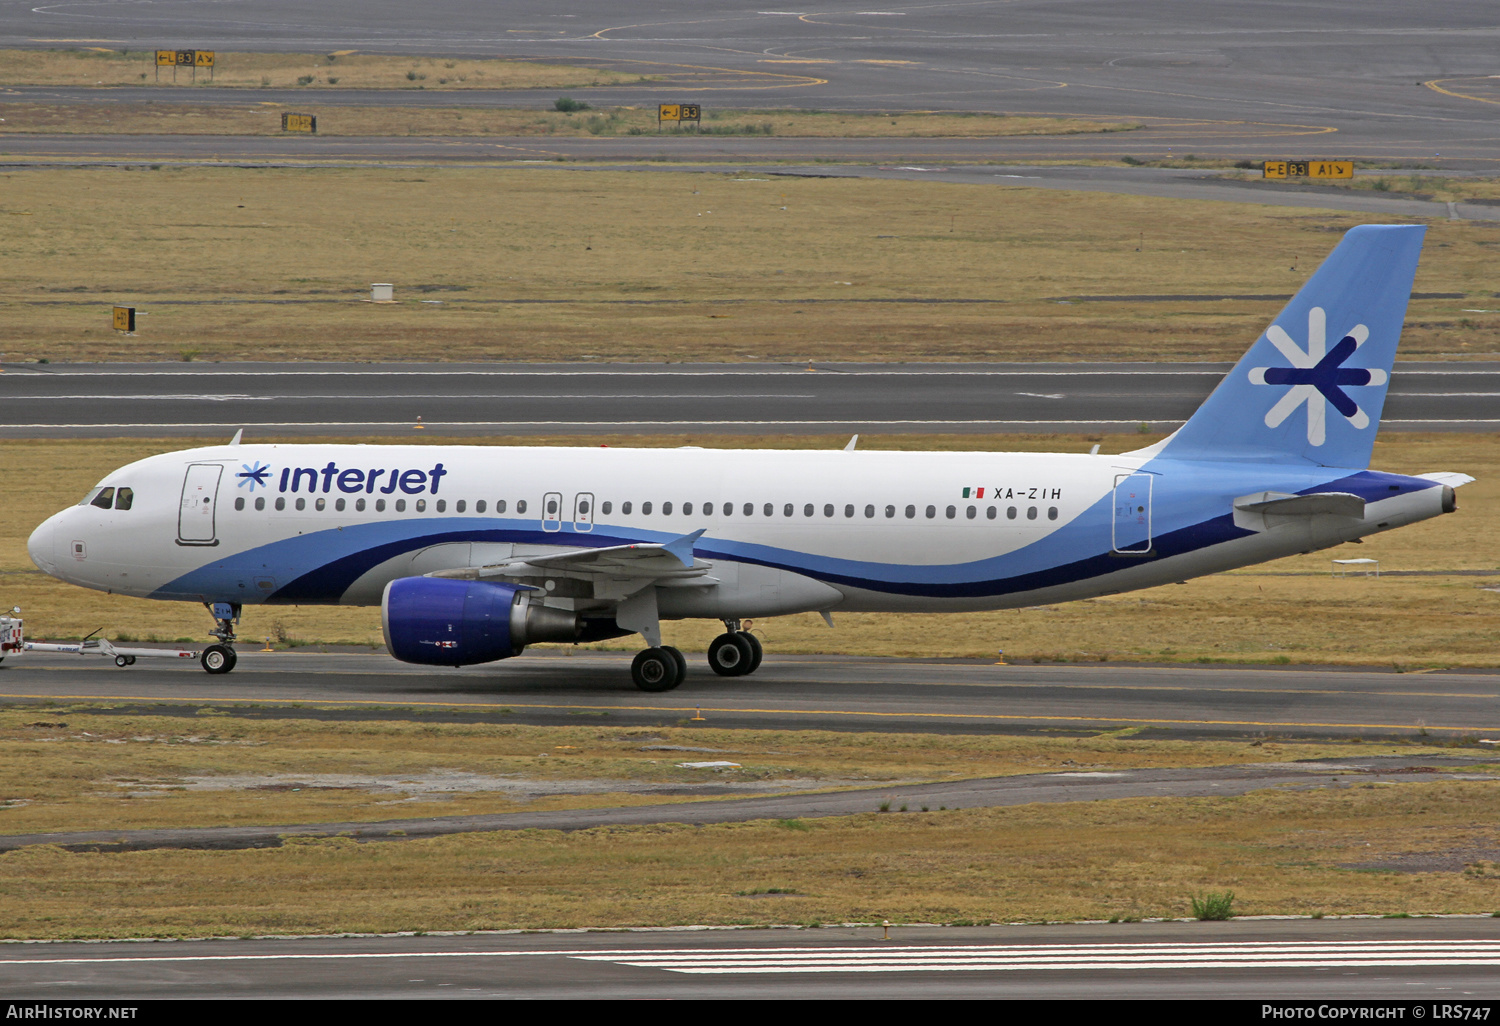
1316	377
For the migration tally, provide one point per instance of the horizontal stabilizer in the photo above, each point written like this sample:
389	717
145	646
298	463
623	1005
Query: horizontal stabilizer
1339	504
1451	478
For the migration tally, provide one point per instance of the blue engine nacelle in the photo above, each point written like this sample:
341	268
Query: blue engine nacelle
440	621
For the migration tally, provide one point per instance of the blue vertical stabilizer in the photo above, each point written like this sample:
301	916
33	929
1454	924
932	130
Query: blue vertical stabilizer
1312	387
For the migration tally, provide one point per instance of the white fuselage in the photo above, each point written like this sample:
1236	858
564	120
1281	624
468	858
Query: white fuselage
784	530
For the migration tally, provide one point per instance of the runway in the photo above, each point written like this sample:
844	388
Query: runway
1340	76
802	692
158	400
1450	960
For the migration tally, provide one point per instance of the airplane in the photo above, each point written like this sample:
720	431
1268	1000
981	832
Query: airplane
475	552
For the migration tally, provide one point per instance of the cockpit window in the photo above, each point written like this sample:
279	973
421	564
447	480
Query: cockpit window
124	497
105	499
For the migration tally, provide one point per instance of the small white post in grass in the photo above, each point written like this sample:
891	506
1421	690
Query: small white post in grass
382	292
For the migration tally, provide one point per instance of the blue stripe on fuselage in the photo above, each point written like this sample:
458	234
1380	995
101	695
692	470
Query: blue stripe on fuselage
1190	509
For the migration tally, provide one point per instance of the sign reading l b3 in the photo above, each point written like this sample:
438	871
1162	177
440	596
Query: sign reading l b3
1309	169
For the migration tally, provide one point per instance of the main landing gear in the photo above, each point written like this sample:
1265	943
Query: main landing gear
220	658
734	653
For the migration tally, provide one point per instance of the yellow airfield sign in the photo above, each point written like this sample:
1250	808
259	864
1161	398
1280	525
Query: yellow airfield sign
1309	169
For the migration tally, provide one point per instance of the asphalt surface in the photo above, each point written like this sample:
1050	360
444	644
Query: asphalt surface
1287	80
980	793
806	692
82	400
1441	962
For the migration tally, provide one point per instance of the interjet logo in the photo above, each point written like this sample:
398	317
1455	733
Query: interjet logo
253	476
1316	377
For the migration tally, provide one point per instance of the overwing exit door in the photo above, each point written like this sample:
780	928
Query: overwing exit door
196	514
583	511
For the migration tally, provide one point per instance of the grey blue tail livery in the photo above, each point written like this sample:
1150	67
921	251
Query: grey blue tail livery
1311	389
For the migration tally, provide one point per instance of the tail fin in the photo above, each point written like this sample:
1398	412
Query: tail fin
1332	346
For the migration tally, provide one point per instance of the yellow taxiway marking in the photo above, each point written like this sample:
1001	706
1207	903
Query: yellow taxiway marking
731	710
1436	86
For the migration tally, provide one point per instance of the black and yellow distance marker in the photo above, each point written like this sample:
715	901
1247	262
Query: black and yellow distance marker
300	123
1309	169
124	319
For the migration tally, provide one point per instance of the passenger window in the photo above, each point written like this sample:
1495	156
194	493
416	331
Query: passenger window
359	505
890	511
441	504
950	512
520	506
911	512
479	506
239	502
260	503
728	509
551	506
646	509
788	511
500	506
687	509
971	512
990	513
379	505
1010	513
931	512
321	504
625	508
400	505
807	510
666	509
338	505
459	506
1051	512
301	504
421	505
849	509
123	498
280	503
869	512
750	509
606	508
105	499
1030	512
828	509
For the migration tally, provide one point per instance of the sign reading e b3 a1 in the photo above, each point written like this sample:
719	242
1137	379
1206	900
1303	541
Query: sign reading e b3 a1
1309	169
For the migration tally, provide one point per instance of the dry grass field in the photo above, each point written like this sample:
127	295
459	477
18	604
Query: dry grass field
547	263
345	69
1291	610
62	767
1280	853
339	120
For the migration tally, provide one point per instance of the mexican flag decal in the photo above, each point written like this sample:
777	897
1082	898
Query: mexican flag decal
976	493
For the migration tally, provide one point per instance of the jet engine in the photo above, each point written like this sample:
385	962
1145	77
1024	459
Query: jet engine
440	621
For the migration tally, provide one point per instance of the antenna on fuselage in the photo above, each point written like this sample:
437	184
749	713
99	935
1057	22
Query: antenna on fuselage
236	439
850	446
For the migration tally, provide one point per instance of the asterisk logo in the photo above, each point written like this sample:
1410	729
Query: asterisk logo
253	476
1316	377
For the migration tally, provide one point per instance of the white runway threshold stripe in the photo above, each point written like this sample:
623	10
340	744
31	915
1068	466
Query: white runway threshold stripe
1346	954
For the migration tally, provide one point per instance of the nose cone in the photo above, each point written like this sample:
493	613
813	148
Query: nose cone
41	547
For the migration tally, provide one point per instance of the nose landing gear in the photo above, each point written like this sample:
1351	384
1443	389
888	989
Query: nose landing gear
220	658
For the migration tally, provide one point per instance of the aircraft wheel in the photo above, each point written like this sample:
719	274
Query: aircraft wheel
122	661
730	655
756	651
654	669
130	660
218	659
680	659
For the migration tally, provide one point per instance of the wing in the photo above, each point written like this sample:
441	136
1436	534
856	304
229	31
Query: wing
613	572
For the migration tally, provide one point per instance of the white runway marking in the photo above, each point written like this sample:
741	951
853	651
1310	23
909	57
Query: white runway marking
925	958
1345	954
